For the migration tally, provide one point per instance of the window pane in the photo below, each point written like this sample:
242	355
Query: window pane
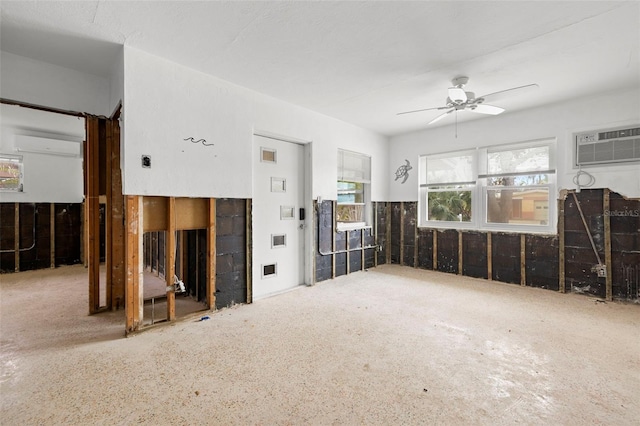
10	173
454	206
350	192
527	206
454	169
523	180
354	167
349	213
518	160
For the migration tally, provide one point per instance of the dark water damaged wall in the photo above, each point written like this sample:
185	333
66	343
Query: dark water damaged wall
342	252
34	235
231	252
525	259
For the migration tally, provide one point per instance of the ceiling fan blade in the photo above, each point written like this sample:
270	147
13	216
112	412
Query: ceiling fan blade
487	109
441	116
509	92
420	110
457	95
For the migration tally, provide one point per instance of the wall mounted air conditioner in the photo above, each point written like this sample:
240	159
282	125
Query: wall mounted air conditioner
40	145
607	146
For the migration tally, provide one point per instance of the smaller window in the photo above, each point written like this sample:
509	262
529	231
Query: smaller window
354	177
11	173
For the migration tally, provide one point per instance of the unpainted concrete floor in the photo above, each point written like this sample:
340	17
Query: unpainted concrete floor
393	345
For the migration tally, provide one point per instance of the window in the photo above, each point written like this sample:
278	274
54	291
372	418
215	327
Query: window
509	187
354	178
447	184
10	173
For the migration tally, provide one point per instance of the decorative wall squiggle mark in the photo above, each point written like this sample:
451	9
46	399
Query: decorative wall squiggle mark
203	141
403	171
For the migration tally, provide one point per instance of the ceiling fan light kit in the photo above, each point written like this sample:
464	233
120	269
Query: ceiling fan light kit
459	100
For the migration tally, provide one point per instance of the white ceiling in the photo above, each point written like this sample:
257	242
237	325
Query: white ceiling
361	62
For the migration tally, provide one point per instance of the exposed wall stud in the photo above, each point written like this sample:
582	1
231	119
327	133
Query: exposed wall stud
249	241
561	249
388	231
211	255
607	244
489	258
523	257
133	289
16	234
402	214
333	240
435	250
170	258
52	234
459	252
93	211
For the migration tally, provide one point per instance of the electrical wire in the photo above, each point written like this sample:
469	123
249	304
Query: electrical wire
576	180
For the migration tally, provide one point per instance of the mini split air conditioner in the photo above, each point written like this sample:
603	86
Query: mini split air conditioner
40	145
607	146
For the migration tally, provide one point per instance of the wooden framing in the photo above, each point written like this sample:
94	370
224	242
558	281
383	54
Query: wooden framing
133	289
92	218
435	250
211	255
170	258
607	244
460	266
402	233
388	232
52	234
333	240
489	258
249	264
16	237
523	260
561	265
115	217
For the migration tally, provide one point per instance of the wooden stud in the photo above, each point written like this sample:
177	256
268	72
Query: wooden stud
84	247
561	248
333	240
133	289
93	211
16	237
388	232
416	236
402	213
435	250
211	255
115	211
489	258
52	234
607	245
249	238
108	216
459	252
362	244
375	233
523	260
170	258
346	236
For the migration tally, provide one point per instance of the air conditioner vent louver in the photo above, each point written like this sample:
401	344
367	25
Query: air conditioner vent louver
608	146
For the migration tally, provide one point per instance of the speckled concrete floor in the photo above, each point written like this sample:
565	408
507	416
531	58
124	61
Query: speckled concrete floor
390	346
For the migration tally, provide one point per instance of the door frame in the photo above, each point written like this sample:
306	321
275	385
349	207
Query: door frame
309	249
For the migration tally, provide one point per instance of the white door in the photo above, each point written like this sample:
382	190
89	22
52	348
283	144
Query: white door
278	231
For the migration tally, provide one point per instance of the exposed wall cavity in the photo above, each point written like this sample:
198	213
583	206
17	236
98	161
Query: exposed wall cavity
528	259
39	235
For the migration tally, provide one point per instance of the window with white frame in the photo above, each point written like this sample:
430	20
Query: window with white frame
11	173
447	185
354	179
508	187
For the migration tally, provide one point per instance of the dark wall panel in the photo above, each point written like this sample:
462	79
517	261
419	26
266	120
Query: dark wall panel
425	248
448	251
474	254
7	237
396	217
231	253
541	261
505	250
409	232
381	228
68	233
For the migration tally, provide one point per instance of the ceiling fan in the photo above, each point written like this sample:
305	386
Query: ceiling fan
461	100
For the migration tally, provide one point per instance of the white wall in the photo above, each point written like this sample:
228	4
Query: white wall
47	178
27	80
116	83
167	102
558	121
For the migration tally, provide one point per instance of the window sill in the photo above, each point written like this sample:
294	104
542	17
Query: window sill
352	226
